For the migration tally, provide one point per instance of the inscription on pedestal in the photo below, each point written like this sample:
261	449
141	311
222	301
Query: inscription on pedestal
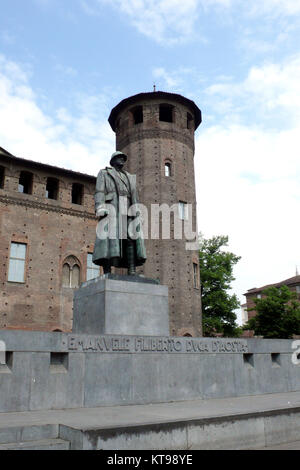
142	344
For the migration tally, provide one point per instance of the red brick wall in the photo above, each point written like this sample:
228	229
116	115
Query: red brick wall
52	230
149	145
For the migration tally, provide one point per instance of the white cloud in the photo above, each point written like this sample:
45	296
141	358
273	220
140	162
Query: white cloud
175	80
7	38
83	143
165	21
271	91
65	70
248	174
274	7
171	22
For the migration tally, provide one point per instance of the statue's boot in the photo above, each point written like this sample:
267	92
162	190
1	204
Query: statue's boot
107	268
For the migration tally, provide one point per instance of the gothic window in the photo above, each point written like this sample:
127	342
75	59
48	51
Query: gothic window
77	193
25	182
52	188
166	113
71	272
16	270
92	269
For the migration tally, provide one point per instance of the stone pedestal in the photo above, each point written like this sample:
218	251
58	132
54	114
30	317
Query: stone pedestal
121	305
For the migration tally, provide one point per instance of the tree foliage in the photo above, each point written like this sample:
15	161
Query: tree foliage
278	314
216	271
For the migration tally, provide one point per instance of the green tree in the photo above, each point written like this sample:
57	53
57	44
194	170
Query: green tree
278	314
216	271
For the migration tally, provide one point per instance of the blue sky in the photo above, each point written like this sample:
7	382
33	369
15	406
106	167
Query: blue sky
65	63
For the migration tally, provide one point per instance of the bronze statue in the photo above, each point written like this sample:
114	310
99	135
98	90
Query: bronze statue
116	188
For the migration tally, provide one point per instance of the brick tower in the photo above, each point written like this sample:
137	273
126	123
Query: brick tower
156	131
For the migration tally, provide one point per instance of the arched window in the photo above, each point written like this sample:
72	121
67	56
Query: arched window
168	168
71	272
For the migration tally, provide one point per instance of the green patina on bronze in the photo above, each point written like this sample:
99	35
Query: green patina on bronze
111	184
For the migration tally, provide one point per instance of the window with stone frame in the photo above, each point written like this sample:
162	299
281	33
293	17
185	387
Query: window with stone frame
17	260
25	182
71	272
93	270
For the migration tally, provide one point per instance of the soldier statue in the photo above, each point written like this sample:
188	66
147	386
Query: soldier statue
115	189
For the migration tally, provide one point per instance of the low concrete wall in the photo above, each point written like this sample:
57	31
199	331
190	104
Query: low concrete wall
57	370
236	432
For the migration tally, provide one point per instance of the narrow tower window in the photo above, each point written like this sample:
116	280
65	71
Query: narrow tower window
196	277
189	121
166	113
77	193
25	182
52	188
167	169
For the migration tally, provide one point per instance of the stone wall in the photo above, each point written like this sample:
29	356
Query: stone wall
60	370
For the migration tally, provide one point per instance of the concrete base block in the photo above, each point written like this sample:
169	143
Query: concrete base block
111	305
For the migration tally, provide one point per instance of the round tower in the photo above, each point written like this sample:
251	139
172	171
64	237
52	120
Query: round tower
156	131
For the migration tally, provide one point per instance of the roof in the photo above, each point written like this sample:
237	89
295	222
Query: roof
154	95
45	166
287	282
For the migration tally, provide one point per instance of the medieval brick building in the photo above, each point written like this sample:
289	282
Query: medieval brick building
47	230
47	221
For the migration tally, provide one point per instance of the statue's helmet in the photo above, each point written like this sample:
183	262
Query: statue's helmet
117	154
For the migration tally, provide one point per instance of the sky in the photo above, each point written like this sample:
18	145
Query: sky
64	64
